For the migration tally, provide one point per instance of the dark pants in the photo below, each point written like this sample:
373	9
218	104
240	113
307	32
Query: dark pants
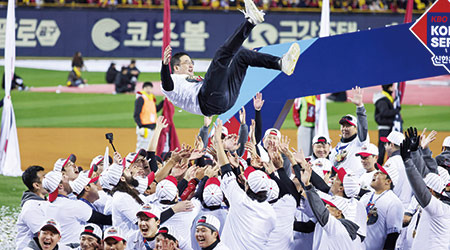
381	150
224	77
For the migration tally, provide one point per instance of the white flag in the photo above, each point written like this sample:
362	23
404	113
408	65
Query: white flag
9	144
321	101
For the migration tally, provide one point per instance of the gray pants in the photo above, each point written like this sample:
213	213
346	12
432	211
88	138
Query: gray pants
143	139
304	139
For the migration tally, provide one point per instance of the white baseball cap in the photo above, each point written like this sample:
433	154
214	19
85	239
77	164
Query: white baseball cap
273	131
351	185
321	139
434	182
394	137
62	162
144	182
51	182
445	176
391	171
51	224
212	194
446	142
115	233
92	230
167	189
111	176
274	191
258	181
79	183
367	150
349	119
209	221
95	162
334	201
150	211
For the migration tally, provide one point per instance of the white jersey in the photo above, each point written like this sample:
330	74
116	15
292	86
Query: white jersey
333	235
30	220
404	241
389	218
124	210
366	179
283	235
434	227
249	222
220	214
402	188
71	215
182	222
136	241
101	202
184	93
343	156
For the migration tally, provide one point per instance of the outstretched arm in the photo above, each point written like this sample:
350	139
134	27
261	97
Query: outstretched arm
166	79
363	127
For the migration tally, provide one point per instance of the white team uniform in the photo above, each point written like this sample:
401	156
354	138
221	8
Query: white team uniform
332	236
390	218
101	202
124	210
434	227
365	180
182	222
249	222
136	241
404	241
402	188
30	220
283	234
71	215
184	93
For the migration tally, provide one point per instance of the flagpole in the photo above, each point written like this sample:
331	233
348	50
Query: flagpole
321	101
9	145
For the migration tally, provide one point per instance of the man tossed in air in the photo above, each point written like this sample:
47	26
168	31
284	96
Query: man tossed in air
218	92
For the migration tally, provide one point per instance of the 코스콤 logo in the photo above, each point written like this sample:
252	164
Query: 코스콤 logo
433	30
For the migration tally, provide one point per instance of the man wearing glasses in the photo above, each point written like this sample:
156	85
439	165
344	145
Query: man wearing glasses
218	92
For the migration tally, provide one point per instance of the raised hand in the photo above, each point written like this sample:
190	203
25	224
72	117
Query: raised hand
183	206
276	159
357	98
242	115
230	142
207	121
405	151
200	173
196	153
411	133
234	159
426	140
161	123
252	132
178	170
167	55
258	102
306	175
198	144
190	173
299	157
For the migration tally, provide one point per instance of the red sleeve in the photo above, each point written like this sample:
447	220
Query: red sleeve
296	115
189	190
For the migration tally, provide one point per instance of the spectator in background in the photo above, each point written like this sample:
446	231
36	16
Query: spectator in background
133	72
304	113
77	60
111	73
16	81
74	79
145	114
384	116
123	84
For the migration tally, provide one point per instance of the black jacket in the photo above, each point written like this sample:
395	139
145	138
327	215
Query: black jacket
384	111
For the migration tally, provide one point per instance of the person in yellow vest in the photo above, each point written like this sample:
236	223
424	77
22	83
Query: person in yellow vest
74	79
145	114
384	116
304	114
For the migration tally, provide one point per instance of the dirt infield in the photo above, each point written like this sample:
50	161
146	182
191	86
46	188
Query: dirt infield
43	146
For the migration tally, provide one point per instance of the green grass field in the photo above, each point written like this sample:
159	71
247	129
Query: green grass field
11	189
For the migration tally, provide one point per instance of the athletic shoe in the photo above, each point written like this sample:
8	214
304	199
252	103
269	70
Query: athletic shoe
254	15
289	60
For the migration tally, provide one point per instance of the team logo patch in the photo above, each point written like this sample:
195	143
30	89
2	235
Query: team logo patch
433	31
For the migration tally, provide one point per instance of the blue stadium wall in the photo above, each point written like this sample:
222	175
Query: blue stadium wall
138	33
